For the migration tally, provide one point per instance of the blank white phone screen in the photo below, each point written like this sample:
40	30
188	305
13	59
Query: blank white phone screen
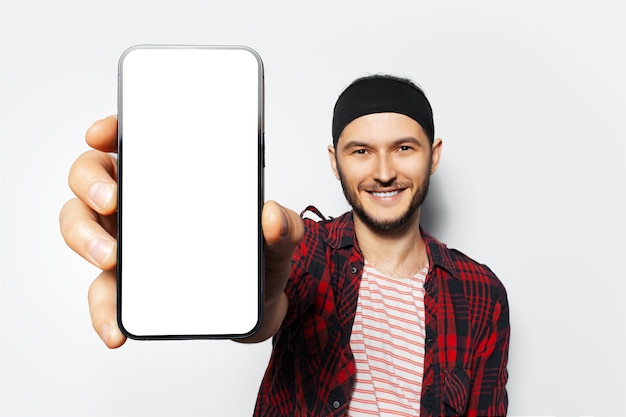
190	166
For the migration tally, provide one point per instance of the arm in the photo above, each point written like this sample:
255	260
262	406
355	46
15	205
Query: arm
282	229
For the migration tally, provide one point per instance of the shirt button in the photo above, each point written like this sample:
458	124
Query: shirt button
346	315
353	269
336	404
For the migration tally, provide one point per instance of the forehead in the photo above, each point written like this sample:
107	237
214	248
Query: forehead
382	127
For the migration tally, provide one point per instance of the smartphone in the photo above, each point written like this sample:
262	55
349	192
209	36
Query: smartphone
190	175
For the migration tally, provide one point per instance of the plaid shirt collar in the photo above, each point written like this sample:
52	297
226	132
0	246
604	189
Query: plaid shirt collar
342	235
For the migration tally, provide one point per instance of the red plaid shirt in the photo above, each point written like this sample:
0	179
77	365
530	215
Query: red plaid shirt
311	371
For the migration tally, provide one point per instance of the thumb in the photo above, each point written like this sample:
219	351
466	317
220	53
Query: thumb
283	229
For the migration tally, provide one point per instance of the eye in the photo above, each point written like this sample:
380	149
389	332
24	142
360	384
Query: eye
360	151
404	148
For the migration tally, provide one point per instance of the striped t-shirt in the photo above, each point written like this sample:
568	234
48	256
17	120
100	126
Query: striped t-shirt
388	345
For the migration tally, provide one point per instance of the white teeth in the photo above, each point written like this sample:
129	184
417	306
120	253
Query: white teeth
387	194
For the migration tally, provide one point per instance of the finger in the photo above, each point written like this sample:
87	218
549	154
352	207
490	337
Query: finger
92	178
103	309
102	135
82	231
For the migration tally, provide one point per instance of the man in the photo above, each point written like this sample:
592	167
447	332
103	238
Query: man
370	314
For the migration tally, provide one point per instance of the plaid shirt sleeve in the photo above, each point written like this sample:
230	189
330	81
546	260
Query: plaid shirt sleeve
310	373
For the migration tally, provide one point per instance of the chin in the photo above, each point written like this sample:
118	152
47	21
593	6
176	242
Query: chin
386	224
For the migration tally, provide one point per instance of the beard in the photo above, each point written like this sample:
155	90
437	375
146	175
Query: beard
386	226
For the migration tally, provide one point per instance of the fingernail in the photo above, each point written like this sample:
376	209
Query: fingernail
101	193
105	332
100	249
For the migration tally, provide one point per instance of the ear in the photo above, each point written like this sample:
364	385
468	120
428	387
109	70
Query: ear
436	155
333	160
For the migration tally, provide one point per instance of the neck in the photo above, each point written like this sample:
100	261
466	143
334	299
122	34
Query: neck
399	254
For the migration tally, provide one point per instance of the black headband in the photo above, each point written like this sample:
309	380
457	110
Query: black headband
381	94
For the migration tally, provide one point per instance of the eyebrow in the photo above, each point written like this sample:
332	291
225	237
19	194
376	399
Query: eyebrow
397	142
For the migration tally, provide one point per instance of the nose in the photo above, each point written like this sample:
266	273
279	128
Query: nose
384	171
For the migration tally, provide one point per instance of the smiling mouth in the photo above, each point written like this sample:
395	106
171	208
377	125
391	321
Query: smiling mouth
385	194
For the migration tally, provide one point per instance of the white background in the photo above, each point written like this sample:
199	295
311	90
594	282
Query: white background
529	98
